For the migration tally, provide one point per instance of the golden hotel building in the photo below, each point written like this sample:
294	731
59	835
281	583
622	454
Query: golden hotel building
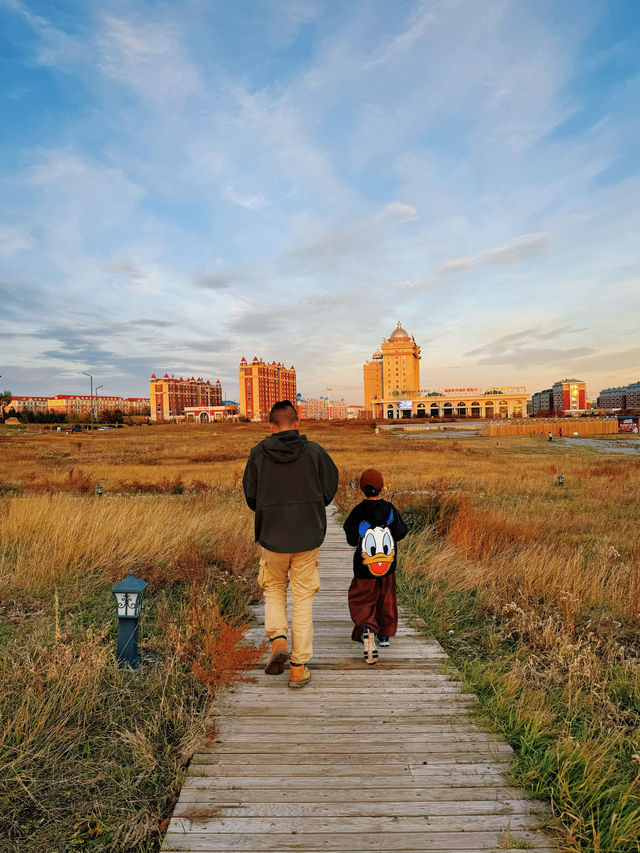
392	388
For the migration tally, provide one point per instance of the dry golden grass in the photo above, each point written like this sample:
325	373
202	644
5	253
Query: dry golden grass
47	539
539	583
92	756
513	523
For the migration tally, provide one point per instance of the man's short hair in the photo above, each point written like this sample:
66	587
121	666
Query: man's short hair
283	413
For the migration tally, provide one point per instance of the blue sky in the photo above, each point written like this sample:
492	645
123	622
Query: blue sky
185	183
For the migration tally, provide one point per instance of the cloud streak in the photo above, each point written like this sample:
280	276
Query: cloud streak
516	250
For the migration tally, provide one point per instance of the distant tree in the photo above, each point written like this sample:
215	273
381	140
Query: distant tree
5	398
111	416
47	417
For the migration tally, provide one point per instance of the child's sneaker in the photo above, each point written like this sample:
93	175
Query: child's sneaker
383	641
369	643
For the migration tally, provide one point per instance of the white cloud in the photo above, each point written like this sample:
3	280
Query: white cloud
512	252
250	202
399	212
14	239
358	245
148	57
420	21
56	47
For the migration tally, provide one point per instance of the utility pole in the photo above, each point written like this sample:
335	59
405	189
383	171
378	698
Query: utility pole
91	401
329	400
98	387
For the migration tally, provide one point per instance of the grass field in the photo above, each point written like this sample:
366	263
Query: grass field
533	588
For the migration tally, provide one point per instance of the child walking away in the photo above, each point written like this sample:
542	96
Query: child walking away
373	528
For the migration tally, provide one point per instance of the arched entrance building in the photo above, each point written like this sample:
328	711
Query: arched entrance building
507	402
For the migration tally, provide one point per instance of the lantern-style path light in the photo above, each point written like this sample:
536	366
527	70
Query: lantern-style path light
560	480
128	595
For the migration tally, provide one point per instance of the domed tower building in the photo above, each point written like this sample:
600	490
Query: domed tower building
394	370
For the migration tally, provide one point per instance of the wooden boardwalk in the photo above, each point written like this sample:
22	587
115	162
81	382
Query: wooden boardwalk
365	758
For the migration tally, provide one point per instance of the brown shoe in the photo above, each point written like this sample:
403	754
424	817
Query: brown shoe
279	656
299	675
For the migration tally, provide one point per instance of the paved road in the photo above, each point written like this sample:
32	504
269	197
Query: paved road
604	446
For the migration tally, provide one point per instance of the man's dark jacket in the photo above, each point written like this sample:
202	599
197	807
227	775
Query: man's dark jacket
288	482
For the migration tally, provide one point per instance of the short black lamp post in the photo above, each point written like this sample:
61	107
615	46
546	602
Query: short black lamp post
128	595
560	480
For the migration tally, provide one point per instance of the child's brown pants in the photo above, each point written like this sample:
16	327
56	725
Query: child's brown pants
372	602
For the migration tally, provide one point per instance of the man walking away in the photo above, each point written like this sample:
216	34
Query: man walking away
288	481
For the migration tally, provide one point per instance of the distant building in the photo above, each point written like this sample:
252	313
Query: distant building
169	396
570	396
623	397
33	404
354	413
542	401
136	405
392	389
372	376
566	397
81	404
207	414
321	408
393	370
262	384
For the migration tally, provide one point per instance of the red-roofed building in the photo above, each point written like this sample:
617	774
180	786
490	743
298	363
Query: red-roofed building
136	405
34	404
80	404
169	396
263	384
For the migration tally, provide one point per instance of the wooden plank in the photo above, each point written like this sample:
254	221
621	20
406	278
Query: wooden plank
370	807
321	691
254	730
342	793
348	751
305	825
391	782
306	849
221	767
344	841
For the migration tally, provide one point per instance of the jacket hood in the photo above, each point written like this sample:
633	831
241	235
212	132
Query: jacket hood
285	446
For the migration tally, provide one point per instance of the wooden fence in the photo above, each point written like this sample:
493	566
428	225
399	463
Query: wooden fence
569	427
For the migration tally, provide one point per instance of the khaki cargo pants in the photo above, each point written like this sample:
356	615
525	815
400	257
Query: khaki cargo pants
277	571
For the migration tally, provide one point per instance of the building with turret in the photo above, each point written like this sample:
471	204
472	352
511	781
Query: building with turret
393	369
262	384
169	396
392	388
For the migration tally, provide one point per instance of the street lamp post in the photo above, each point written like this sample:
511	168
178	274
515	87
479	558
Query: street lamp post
329	400
91	401
97	396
